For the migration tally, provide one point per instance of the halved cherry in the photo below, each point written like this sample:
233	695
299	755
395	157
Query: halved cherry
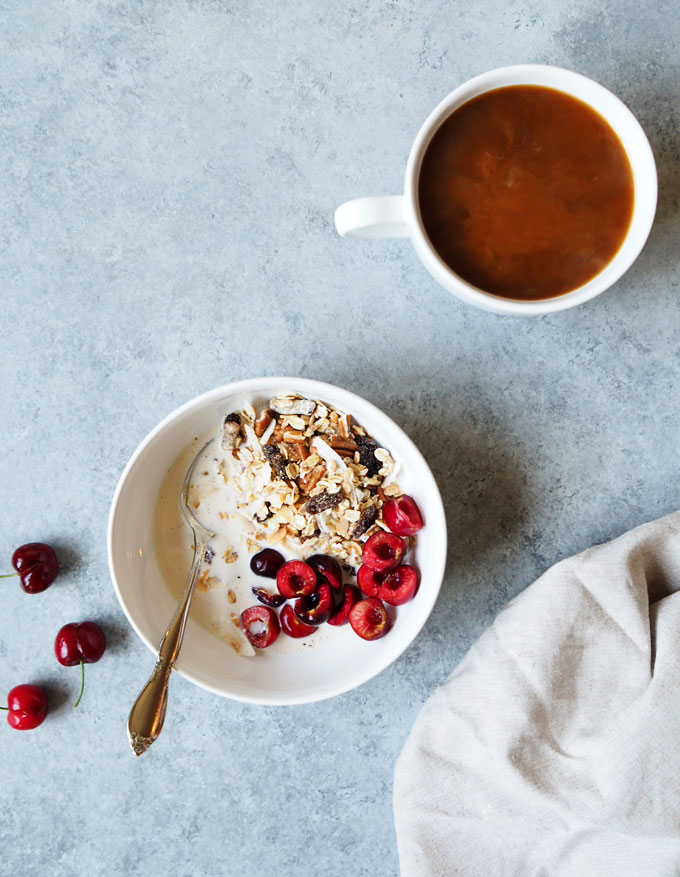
369	619
350	596
327	568
369	580
292	625
402	515
268	599
296	579
260	625
383	551
399	586
317	607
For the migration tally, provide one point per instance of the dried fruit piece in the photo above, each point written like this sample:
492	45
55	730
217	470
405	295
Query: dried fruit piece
368	517
402	515
323	501
268	599
317	607
327	568
383	551
367	457
369	580
296	579
350	596
399	586
369	619
292	625
276	460
231	431
260	625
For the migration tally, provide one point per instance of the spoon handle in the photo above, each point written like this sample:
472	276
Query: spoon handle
148	712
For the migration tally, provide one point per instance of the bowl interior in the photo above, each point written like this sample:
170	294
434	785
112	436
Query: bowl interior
339	663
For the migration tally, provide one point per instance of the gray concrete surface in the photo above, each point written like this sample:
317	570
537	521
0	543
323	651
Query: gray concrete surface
168	174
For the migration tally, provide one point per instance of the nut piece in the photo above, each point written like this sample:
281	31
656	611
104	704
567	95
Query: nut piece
231	432
346	445
262	421
288	405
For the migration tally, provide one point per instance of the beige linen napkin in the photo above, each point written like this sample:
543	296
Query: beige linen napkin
554	747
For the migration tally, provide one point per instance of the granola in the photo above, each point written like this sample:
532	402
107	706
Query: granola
306	476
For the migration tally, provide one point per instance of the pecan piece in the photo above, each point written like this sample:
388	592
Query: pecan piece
340	444
276	460
297	451
365	522
309	482
322	502
262	421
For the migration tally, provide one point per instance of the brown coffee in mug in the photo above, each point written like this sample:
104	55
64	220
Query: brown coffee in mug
525	192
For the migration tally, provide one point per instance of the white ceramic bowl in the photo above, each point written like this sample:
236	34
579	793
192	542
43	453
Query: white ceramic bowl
338	664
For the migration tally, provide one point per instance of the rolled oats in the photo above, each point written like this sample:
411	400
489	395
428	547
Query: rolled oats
310	478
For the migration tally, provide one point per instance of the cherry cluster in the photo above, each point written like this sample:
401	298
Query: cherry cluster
37	567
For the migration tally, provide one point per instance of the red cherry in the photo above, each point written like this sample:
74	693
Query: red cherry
37	566
27	707
296	579
76	643
350	596
292	625
369	619
399	586
317	607
327	568
260	625
383	551
266	562
369	580
402	515
268	599
82	644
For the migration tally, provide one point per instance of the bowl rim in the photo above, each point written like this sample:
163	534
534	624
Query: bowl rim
314	389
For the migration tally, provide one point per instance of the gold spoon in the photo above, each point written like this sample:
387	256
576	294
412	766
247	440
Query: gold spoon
148	712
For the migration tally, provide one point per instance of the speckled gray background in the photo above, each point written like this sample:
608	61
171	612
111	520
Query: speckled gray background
168	173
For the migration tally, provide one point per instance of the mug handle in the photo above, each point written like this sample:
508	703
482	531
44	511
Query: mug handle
383	216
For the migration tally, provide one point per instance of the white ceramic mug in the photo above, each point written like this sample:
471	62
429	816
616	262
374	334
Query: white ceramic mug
398	216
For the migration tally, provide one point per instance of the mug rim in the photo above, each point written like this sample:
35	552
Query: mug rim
641	162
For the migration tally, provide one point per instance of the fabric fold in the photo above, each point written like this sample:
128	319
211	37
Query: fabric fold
552	747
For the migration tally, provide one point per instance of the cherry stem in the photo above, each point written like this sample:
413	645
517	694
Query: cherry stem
9	575
82	683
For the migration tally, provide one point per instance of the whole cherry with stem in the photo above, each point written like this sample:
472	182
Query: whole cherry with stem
36	565
26	707
82	644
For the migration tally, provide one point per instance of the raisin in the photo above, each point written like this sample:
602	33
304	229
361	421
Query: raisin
367	457
234	417
278	464
322	502
365	522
